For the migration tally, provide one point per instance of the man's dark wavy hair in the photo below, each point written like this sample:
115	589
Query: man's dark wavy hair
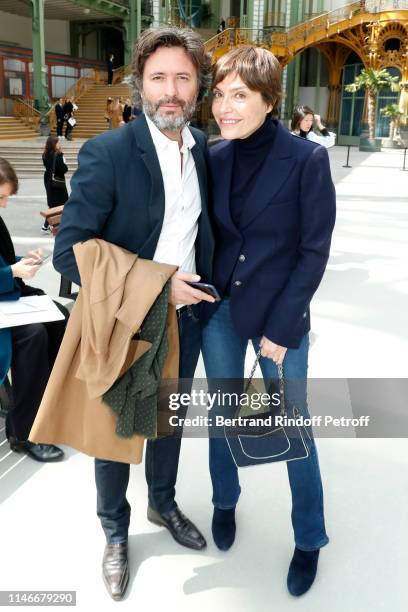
153	39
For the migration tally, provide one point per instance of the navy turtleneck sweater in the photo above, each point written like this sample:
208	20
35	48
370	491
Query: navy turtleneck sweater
249	156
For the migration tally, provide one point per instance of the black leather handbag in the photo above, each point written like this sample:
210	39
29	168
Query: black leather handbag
56	181
266	441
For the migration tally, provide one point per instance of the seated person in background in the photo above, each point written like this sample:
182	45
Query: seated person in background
29	350
302	125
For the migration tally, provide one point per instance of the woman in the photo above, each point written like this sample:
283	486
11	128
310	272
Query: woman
28	350
55	166
117	111
302	125
109	112
274	210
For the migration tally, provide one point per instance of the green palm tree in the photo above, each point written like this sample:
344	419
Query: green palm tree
394	114
373	81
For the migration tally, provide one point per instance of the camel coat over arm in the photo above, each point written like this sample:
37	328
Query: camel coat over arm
118	289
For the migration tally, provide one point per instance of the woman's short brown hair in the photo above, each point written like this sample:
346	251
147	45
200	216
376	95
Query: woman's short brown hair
258	68
153	39
8	175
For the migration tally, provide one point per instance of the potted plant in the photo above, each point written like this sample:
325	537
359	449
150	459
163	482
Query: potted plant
373	81
394	114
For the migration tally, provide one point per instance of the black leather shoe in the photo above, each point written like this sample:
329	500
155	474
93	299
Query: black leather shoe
115	569
180	527
39	452
302	571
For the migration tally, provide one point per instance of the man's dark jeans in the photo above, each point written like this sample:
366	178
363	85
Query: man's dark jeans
162	455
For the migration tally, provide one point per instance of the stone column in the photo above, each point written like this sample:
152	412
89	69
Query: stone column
41	100
131	28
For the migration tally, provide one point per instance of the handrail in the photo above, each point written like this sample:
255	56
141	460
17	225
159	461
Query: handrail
285	38
24	108
120	73
82	85
223	40
26	112
323	21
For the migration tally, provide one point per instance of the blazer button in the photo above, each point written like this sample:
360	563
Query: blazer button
241	258
237	283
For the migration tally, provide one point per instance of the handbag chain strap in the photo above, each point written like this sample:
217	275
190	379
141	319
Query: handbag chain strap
280	378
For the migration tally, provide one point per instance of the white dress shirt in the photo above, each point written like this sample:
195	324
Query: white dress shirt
176	244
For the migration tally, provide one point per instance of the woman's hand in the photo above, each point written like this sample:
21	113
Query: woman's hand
319	123
25	268
272	351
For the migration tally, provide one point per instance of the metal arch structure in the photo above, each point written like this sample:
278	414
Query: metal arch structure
336	34
345	26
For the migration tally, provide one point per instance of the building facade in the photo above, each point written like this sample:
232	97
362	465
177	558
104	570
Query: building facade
46	47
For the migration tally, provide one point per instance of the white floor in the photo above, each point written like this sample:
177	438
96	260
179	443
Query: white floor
50	536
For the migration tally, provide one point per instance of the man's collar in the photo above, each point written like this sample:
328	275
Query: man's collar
161	142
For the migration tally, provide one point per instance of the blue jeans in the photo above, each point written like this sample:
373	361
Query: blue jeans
224	357
162	455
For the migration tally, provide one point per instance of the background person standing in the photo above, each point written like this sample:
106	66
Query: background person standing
109	112
59	114
69	108
53	160
117	112
110	69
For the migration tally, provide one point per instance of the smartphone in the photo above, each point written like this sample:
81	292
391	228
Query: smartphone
206	288
40	263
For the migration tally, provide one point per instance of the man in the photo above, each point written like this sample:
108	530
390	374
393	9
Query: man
110	69
144	188
59	114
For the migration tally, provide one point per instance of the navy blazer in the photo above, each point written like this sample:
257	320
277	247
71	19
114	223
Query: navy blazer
278	256
118	195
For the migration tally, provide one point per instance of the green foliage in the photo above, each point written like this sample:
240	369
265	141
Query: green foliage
392	111
373	81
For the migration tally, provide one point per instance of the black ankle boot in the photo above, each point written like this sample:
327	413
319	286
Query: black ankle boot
223	528
302	571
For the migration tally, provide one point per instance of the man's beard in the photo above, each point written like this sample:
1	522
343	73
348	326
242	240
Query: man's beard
167	120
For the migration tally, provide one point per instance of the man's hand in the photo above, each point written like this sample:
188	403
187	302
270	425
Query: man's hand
272	351
25	268
181	293
35	255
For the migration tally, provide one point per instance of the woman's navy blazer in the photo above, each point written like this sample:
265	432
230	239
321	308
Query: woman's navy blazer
277	257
